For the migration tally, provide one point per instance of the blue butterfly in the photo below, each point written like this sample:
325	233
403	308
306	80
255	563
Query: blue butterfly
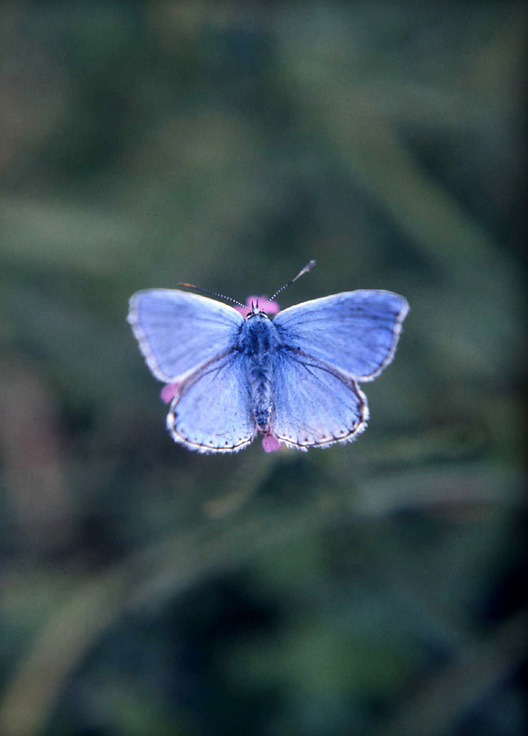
293	378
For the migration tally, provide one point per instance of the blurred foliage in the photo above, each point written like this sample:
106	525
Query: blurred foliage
376	588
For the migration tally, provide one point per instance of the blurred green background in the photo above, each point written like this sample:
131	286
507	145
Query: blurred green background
374	588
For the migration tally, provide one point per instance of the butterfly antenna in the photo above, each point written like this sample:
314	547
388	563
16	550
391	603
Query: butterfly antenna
211	293
304	270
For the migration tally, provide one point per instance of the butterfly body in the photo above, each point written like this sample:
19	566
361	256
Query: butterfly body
294	378
259	344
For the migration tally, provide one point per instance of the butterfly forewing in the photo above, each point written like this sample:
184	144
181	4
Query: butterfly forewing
178	332
356	332
313	405
211	411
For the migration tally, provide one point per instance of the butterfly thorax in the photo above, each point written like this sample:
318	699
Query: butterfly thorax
258	341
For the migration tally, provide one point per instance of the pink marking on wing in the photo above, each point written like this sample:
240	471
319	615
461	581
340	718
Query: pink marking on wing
168	392
261	302
270	443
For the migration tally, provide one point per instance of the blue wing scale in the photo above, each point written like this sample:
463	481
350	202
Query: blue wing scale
314	406
211	411
355	332
178	332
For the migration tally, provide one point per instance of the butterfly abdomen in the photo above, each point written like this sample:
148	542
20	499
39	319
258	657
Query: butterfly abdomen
259	343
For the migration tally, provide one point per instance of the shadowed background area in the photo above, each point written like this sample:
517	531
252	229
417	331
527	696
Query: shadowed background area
372	589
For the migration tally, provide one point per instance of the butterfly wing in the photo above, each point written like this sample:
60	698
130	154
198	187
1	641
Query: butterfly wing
314	405
211	411
177	332
356	332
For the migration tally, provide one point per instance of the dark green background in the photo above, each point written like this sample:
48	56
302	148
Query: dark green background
376	588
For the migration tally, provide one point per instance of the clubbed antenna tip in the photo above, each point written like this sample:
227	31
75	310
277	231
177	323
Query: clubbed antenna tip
304	270
210	293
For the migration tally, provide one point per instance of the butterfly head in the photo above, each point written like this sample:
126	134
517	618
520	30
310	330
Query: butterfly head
270	306
258	305
255	311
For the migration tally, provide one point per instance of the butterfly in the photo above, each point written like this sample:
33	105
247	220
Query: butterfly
293	379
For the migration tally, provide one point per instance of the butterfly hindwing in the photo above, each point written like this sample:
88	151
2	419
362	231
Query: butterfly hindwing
211	411
356	332
178	332
313	405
